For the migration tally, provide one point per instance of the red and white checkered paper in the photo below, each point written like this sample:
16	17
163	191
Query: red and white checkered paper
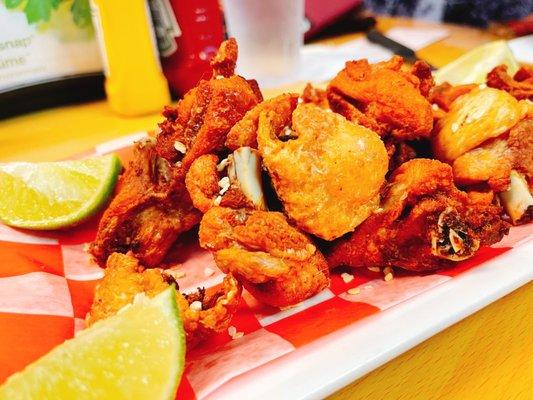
47	283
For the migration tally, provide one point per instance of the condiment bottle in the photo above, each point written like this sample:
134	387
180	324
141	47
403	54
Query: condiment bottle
189	34
134	84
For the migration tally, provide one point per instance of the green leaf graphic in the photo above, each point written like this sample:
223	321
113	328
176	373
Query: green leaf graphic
38	10
81	12
12	3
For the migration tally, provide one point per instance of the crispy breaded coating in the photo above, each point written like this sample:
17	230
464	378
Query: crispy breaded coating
275	262
125	278
150	210
426	223
422	71
226	184
152	206
520	143
475	117
520	86
202	181
392	101
244	132
317	96
445	94
491	162
225	60
328	173
200	122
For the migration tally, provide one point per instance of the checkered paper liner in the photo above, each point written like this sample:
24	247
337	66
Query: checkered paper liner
47	281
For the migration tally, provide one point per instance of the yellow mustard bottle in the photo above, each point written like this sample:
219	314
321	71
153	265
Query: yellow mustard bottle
135	84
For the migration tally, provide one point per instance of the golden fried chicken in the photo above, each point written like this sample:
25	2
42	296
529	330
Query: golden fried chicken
152	206
275	262
201	121
445	94
384	98
480	115
202	313
486	135
326	170
425	223
150	210
520	86
234	182
244	132
315	95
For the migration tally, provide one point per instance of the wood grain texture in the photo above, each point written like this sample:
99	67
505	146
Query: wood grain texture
486	356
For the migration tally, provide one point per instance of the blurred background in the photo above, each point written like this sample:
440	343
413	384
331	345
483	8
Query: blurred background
142	53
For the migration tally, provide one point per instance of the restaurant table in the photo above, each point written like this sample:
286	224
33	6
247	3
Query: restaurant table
488	355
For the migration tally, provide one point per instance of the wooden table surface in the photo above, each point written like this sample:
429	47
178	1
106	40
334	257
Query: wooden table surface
489	355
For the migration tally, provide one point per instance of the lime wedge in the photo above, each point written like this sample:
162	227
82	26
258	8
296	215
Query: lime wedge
53	195
138	353
474	66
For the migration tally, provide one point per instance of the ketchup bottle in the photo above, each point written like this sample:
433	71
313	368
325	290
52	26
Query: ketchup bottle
188	35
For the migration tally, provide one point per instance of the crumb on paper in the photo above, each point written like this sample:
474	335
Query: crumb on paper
232	331
374	269
346	277
353	291
291	306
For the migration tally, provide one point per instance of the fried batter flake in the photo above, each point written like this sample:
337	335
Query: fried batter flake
150	210
202	119
520	86
234	182
328	172
244	132
275	262
125	278
384	98
426	223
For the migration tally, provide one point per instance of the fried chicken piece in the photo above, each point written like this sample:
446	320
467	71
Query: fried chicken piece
275	262
488	138
520	86
125	278
398	152
383	98
244	132
153	206
326	170
426	223
474	118
491	162
200	122
316	96
422	71
445	94
150	210
235	182
520	142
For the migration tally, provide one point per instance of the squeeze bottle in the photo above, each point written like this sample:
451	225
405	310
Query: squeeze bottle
134	83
